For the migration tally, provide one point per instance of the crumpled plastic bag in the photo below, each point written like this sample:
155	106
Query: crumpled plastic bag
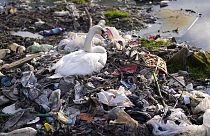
11	109
27	131
131	69
197	99
68	117
28	79
115	97
114	34
172	128
55	100
202	106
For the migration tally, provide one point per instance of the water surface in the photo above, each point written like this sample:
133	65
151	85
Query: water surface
198	34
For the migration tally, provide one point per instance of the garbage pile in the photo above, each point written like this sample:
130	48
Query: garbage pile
104	83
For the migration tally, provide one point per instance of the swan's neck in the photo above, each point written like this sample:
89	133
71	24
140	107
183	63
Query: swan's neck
88	40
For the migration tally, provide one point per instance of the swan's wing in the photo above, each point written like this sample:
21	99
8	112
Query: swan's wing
80	63
57	64
103	59
66	59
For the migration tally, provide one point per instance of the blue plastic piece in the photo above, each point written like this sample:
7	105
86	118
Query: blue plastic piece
51	32
125	84
6	81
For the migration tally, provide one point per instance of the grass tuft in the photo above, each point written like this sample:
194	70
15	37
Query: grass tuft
116	14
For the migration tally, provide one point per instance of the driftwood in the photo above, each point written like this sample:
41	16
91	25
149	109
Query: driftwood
19	62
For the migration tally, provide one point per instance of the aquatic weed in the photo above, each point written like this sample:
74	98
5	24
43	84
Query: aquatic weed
116	14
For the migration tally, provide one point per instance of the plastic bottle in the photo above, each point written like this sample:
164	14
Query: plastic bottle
51	32
78	93
36	47
17	48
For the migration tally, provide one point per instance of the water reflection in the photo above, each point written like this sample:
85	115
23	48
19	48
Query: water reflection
199	34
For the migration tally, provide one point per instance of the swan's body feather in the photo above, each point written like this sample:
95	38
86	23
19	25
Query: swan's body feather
79	63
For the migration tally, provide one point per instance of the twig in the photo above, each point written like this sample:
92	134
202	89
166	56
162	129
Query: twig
176	80
89	17
158	90
19	62
182	89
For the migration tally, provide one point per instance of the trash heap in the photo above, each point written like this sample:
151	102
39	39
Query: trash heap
145	88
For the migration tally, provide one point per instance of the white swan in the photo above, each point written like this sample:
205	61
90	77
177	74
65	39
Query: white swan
82	62
75	41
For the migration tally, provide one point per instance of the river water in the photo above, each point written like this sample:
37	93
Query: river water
198	35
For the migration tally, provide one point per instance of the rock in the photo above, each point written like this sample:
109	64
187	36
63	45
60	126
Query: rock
180	58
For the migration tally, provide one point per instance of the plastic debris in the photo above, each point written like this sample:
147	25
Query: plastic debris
189	87
17	48
6	81
202	106
186	100
11	109
54	31
4	52
28	79
172	82
48	127
164	3
36	47
127	85
125	70
122	117
156	62
34	121
61	13
86	117
39	22
115	97
183	128
70	117
55	101
78	93
3	100
27	131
